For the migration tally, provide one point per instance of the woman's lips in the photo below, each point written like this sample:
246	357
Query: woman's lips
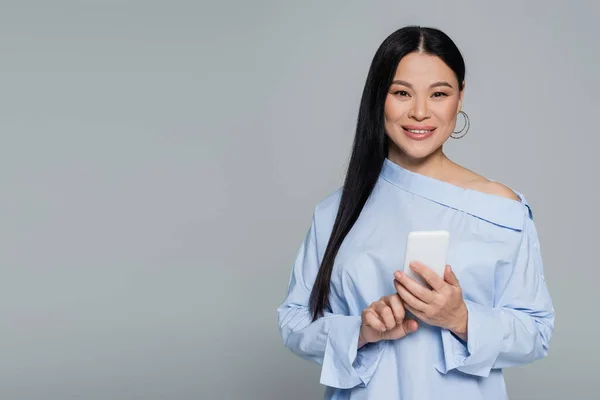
418	132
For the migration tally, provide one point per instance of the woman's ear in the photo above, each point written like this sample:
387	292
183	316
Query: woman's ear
460	98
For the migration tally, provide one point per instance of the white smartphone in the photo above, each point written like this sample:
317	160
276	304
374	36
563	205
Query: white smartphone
429	248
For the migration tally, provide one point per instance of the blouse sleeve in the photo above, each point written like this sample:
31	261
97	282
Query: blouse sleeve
331	340
518	329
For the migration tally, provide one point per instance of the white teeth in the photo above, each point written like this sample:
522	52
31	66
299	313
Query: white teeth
419	131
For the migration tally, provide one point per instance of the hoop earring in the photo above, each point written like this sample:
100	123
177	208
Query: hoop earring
461	133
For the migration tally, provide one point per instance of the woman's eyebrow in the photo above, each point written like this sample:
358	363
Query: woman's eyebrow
407	84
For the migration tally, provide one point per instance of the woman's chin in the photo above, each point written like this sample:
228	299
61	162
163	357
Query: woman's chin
411	152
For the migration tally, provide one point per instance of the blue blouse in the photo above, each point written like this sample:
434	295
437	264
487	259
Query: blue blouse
495	253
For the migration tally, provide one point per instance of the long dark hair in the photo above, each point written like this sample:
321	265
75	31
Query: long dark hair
370	146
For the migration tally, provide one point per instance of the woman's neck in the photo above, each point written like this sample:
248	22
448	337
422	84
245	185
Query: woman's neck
436	165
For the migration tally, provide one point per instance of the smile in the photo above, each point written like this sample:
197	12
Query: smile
418	133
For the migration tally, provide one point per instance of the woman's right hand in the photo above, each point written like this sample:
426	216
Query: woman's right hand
384	320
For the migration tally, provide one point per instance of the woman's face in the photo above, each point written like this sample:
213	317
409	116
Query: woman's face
421	107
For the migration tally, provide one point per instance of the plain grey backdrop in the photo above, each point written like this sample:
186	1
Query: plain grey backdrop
160	161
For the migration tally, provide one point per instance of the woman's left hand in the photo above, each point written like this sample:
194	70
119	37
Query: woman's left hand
442	305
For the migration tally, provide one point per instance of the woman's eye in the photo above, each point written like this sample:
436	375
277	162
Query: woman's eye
401	93
439	94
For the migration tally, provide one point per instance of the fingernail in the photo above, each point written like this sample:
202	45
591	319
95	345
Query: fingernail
398	275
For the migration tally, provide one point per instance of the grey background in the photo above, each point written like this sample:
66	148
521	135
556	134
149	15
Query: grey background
160	161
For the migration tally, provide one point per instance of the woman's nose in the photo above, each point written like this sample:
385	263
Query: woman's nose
419	110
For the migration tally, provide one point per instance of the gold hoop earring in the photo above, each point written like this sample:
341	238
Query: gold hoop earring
461	133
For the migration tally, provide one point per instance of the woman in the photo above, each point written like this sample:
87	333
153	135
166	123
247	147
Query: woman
377	333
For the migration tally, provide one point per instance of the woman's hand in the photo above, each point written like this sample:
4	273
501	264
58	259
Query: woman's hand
442	305
384	320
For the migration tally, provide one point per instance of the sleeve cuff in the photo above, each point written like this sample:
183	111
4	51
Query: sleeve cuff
344	366
478	355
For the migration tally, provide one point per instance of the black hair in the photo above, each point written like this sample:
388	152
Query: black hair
370	145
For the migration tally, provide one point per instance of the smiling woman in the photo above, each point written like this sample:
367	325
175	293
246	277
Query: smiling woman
377	333
417	108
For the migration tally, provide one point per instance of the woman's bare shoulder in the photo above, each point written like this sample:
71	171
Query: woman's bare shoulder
473	181
497	189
